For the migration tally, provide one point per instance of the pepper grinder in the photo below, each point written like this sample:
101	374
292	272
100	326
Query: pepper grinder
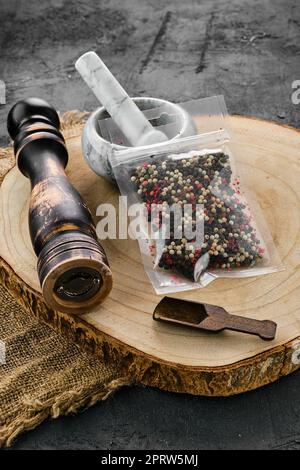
72	266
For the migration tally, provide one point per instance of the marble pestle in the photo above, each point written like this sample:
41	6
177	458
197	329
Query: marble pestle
117	102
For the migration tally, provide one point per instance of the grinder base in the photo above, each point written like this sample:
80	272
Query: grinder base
74	273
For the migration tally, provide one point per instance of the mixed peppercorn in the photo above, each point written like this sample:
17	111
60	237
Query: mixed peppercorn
230	240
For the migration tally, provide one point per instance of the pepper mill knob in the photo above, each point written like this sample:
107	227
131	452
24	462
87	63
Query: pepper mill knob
72	266
30	109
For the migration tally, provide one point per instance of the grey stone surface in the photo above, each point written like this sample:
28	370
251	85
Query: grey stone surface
248	51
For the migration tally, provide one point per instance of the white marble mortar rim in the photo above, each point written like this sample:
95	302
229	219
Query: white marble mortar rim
97	141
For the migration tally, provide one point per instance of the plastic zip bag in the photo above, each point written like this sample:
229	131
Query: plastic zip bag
193	185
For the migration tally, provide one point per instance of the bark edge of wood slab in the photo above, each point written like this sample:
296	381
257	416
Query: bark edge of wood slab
72	266
121	330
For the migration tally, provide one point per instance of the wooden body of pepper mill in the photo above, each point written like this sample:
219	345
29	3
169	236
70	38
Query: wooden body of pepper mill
72	266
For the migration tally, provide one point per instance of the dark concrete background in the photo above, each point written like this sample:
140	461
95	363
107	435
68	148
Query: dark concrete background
247	50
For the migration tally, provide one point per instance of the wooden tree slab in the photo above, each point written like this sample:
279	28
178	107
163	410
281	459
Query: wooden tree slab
122	331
